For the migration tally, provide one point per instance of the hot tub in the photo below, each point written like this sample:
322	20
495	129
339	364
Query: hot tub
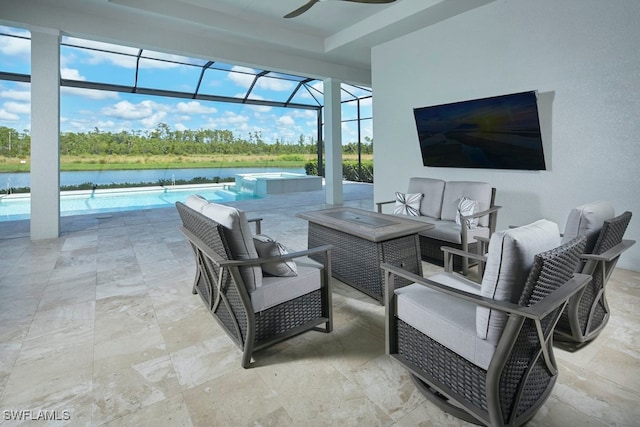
261	184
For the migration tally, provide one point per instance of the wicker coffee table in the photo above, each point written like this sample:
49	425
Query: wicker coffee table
361	241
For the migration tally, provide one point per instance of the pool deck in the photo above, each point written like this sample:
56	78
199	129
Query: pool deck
101	322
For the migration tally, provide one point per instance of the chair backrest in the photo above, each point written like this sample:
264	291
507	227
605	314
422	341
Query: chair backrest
432	189
237	235
528	367
509	260
480	192
611	233
551	269
587	220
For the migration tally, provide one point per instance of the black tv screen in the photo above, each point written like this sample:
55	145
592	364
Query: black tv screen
501	132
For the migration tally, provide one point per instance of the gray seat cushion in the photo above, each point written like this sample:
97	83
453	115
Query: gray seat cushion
276	290
509	261
587	220
446	319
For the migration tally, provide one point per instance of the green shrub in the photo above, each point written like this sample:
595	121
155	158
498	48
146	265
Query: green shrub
350	171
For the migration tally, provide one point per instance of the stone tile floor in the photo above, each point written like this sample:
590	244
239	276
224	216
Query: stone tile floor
100	326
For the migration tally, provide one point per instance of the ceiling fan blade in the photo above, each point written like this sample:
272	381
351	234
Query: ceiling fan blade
299	11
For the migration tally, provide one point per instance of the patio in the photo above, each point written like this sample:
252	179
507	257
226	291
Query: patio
101	323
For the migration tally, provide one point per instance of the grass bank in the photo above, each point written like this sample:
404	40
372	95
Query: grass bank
103	163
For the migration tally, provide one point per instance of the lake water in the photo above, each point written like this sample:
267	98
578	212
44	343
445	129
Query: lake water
16	180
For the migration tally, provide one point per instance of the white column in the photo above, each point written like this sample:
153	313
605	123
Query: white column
333	142
45	134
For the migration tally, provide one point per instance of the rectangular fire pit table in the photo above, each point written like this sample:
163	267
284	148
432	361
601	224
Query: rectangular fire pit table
362	240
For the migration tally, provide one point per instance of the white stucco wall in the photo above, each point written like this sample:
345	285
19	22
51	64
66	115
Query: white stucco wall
581	56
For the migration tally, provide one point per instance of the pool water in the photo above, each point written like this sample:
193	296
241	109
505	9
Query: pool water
18	206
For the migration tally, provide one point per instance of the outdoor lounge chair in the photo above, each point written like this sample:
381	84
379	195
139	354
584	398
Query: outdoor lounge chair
255	309
588	311
484	352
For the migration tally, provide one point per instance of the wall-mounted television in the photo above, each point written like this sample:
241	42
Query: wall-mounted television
500	132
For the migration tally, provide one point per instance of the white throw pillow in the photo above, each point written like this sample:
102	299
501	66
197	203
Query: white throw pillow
267	248
466	207
407	204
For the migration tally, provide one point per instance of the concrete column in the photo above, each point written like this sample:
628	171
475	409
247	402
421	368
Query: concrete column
333	142
45	134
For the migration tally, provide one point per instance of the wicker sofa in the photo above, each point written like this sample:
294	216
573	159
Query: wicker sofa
259	298
438	203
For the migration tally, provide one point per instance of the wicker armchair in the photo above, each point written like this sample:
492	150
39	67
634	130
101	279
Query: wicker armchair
588	311
256	311
484	353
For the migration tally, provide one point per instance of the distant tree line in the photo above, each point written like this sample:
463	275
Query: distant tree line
163	141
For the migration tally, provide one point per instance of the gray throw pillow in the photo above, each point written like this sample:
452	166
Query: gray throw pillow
267	248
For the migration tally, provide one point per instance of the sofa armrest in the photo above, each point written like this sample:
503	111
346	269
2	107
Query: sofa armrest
480	214
449	253
379	204
258	222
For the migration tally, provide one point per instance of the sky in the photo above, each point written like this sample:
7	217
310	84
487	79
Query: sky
84	110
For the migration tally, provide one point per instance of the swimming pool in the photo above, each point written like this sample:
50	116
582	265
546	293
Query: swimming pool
18	206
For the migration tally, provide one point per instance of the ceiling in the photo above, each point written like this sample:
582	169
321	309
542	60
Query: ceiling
335	32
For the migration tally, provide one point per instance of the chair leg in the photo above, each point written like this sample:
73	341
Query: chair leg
442	402
465	265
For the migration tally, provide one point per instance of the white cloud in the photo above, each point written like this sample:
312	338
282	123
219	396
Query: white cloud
12	46
79	125
286	121
128	111
7	116
89	93
17	95
259	108
278	85
71	74
152	121
194	107
97	58
180	127
240	77
232	118
244	77
17	107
